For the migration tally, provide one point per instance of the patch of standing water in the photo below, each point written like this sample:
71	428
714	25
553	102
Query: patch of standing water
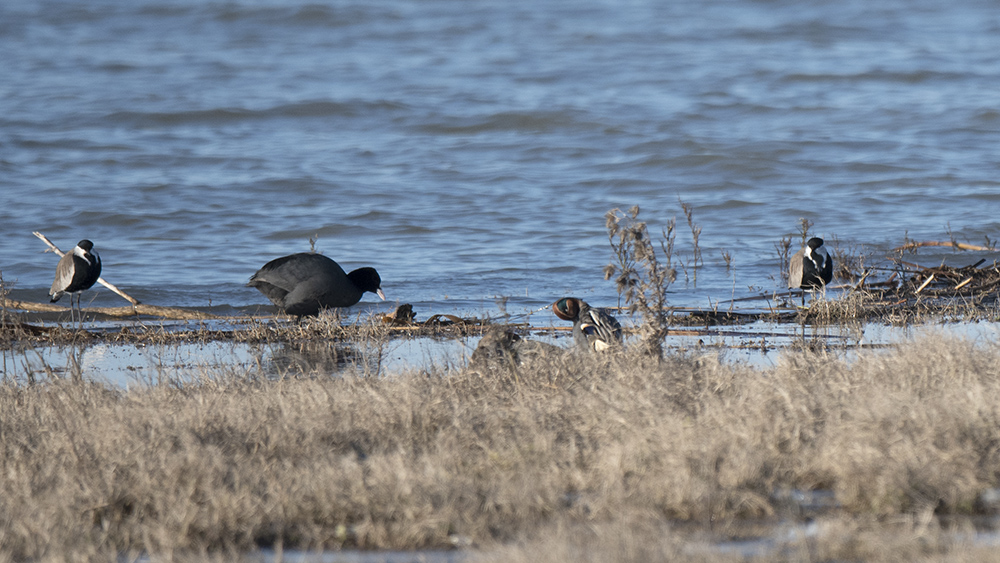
129	364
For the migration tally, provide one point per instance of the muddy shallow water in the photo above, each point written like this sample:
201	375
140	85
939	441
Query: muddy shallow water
125	364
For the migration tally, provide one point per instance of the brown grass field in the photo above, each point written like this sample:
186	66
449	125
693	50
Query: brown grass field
563	457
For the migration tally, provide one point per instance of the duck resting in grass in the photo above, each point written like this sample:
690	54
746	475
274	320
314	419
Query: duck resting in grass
593	329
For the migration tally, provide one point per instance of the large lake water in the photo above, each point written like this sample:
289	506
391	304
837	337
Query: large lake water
470	149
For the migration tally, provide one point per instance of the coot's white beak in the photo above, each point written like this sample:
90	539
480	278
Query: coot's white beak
380	294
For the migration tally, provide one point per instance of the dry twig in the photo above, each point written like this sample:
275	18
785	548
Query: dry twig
958	245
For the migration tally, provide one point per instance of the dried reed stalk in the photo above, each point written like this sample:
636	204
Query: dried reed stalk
958	245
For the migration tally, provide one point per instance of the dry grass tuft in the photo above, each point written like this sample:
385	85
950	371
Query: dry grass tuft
623	458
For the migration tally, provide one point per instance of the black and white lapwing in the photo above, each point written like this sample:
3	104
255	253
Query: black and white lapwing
77	271
810	268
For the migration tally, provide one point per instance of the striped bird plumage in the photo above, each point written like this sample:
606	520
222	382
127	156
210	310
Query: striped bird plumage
593	329
77	271
811	267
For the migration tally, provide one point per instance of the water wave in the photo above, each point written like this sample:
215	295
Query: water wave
523	122
215	116
473	149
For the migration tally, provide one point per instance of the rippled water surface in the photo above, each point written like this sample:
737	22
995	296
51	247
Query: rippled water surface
469	150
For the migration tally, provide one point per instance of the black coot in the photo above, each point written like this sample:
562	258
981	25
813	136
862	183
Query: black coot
304	283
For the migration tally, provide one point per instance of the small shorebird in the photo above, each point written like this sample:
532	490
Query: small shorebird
302	284
810	268
593	329
77	271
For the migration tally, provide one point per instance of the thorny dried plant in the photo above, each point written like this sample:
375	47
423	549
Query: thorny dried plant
639	274
6	323
783	247
727	257
695	236
373	346
850	262
804	226
11	327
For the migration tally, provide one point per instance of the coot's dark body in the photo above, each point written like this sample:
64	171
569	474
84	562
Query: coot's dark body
303	284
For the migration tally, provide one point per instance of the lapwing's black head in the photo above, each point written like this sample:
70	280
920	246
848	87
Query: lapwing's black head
86	245
815	243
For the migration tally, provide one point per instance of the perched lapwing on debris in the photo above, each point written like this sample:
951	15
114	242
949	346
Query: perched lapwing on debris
302	284
593	329
77	271
810	268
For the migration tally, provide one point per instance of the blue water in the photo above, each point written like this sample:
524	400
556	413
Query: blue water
469	150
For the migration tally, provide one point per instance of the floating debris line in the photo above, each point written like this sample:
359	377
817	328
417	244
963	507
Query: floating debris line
910	292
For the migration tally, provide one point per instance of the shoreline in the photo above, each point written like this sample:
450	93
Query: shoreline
690	458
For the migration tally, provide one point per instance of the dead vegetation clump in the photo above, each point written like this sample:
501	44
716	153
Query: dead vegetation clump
652	455
643	275
975	282
894	290
916	294
851	307
20	329
12	327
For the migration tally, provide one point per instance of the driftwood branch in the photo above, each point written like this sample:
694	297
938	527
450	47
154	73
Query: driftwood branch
139	309
132	300
927	282
958	245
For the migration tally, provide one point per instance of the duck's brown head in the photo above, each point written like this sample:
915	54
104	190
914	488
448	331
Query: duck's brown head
567	308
